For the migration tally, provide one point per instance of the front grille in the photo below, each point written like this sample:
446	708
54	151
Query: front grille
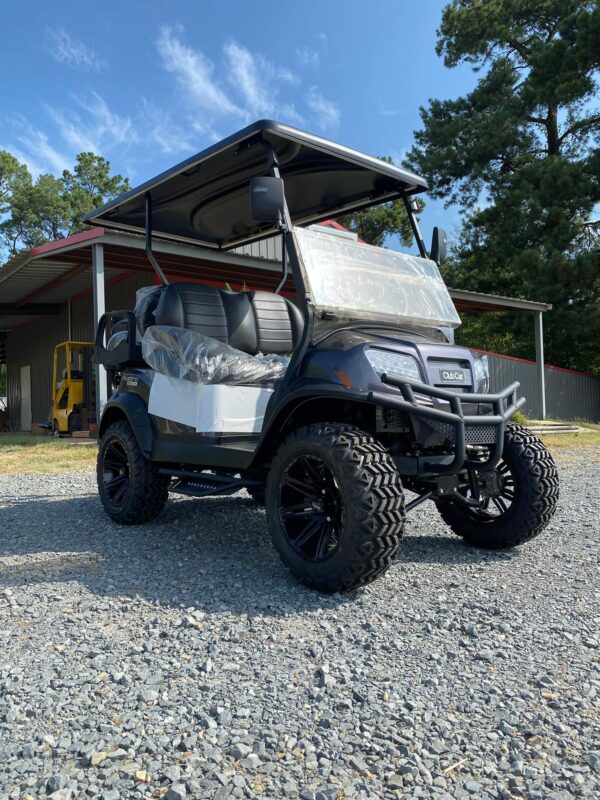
474	434
480	434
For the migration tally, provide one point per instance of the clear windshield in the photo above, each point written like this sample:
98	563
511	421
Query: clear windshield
360	281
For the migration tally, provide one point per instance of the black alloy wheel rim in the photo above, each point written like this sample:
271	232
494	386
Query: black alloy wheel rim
311	508
115	472
497	502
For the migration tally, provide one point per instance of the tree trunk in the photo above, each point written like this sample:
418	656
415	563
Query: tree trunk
552	131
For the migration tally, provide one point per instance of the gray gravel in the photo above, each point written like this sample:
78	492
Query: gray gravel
180	660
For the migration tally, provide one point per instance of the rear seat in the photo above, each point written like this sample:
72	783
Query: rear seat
254	322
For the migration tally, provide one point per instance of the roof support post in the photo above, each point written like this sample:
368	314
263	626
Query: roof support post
99	309
539	359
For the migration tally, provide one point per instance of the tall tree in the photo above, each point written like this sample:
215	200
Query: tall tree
90	185
523	149
12	175
34	212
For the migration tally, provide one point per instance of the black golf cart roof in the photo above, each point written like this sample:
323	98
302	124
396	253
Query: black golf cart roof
205	199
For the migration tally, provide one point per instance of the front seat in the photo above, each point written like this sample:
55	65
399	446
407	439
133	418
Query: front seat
254	322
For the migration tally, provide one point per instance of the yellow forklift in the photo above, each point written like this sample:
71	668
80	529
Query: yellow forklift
74	389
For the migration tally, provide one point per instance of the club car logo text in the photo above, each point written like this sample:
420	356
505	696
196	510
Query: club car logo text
453	375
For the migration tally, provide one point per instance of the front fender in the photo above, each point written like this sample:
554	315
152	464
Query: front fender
129	406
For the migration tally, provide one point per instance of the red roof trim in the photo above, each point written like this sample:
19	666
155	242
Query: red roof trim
528	361
76	238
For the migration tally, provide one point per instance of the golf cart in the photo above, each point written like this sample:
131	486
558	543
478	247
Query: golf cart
324	398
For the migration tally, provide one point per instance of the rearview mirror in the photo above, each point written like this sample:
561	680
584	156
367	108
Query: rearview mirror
266	199
439	242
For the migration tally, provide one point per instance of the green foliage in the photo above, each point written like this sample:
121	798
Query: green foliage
523	151
34	212
375	225
520	418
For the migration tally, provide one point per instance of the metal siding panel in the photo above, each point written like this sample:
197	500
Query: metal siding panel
504	371
269	249
33	344
569	395
572	395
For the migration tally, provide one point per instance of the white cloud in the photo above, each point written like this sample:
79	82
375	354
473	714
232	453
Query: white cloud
194	73
307	57
325	112
37	152
289	114
97	130
34	167
73	52
249	76
245	87
161	130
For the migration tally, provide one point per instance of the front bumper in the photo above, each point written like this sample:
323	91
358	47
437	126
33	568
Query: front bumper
463	427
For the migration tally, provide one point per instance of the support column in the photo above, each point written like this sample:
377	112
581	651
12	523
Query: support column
99	309
539	359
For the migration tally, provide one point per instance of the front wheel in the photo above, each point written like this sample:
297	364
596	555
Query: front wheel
131	488
515	501
335	506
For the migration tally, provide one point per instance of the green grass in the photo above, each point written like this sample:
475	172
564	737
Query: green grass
28	454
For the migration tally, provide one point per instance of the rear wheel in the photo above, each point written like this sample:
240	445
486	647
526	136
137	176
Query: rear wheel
516	500
131	489
335	506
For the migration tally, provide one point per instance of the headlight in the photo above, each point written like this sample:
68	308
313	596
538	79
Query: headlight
481	374
394	364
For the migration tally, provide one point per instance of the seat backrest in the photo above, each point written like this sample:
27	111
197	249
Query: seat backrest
278	322
249	321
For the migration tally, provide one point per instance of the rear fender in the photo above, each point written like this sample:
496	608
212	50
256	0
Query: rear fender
129	406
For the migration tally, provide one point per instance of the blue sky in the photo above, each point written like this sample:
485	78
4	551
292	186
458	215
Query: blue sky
147	83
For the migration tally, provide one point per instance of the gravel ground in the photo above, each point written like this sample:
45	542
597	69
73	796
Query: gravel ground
180	659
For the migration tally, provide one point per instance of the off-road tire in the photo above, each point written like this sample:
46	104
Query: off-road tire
536	495
147	491
371	499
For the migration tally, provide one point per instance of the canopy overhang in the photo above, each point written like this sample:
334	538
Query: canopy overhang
205	199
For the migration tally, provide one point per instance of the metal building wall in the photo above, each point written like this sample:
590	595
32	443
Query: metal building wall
267	248
33	344
572	395
569	395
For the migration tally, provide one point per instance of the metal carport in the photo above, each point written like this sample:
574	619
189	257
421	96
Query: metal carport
48	282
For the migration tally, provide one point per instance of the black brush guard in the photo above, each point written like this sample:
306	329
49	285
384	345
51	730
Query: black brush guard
504	405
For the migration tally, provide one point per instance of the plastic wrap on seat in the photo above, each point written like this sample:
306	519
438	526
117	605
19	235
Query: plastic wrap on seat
145	301
192	356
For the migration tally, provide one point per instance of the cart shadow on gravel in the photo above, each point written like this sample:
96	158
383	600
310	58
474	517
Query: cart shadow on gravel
214	554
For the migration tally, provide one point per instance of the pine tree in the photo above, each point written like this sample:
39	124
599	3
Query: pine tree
523	149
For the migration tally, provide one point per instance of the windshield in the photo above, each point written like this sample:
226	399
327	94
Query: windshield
360	281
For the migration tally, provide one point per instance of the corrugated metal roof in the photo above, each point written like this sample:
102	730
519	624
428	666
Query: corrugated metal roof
65	266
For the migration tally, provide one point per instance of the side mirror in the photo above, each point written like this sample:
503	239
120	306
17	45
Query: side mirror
267	199
439	243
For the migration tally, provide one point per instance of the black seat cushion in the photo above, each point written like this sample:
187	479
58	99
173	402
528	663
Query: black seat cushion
241	323
249	321
194	306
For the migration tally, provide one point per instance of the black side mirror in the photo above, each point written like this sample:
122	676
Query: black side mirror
267	199
439	243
